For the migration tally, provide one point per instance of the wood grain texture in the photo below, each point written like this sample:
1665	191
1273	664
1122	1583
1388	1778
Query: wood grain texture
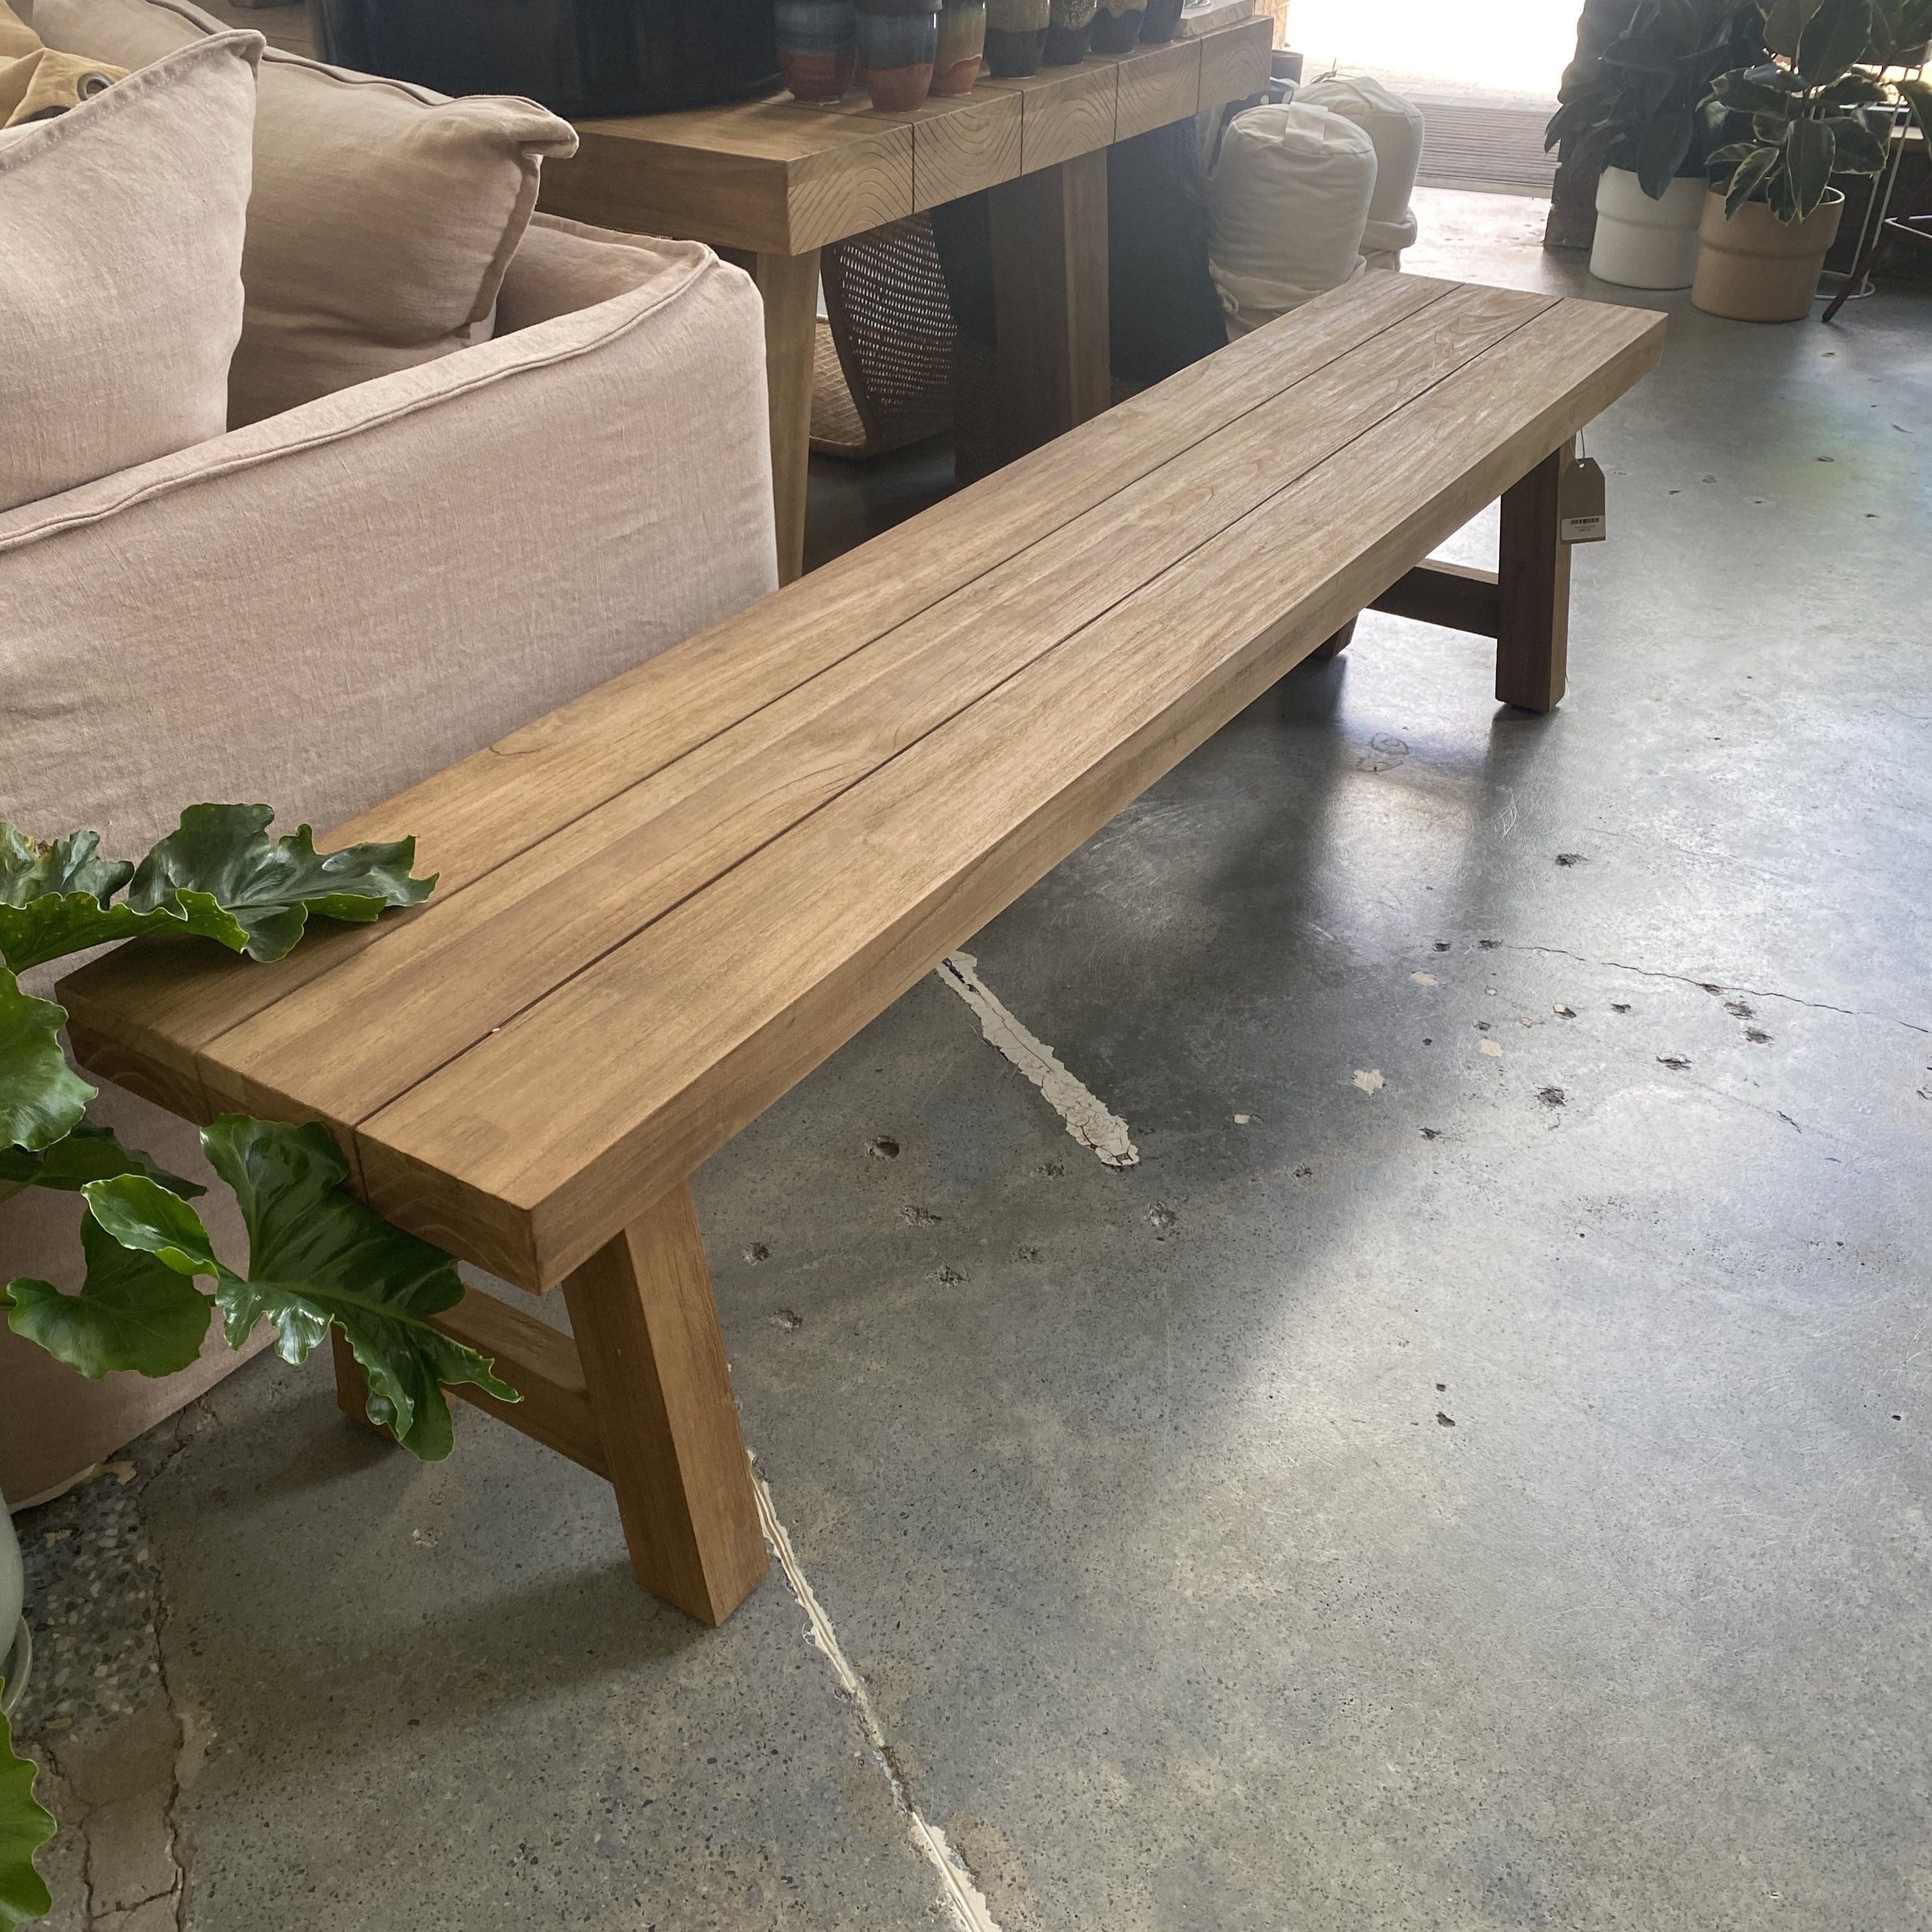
1049	237
1533	572
746	986
1158	86
959	153
647	1332
1064	111
1459	595
485	954
1234	65
789	284
541	1365
147	1011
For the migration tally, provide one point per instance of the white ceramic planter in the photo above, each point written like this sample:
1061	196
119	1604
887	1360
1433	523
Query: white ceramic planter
1642	244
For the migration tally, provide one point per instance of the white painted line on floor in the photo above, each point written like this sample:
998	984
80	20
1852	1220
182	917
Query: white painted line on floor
963	1899
1090	1123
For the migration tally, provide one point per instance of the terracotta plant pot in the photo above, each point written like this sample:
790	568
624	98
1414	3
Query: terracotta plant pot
1162	22
818	53
962	45
1116	25
1015	36
898	45
1069	28
1755	268
1642	244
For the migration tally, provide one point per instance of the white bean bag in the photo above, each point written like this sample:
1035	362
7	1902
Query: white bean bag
1395	126
1287	206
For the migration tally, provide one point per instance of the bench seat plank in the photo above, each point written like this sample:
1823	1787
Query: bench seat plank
749	984
657	926
152	1009
474	960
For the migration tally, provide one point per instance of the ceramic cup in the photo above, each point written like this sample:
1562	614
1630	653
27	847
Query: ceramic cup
818	53
1116	25
962	45
897	49
1069	28
1015	36
1162	22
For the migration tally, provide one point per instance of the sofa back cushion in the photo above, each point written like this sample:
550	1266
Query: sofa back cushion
121	235
383	214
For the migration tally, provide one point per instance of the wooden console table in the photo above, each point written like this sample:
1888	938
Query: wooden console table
776	180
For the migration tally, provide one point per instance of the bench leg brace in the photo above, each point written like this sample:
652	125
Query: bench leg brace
1533	577
646	1329
643	1398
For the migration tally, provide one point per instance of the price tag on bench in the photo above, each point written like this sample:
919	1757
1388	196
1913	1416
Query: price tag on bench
1579	502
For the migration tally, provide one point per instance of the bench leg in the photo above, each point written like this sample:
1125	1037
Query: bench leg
1333	647
1533	580
647	1331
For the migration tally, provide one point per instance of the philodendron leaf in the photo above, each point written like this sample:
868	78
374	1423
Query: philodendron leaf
25	1825
270	886
29	870
90	1152
133	1312
316	1257
42	1098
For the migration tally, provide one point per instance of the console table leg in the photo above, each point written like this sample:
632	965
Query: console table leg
790	286
1533	580
1049	231
646	1329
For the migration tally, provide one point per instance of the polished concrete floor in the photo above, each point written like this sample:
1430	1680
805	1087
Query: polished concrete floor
1471	1472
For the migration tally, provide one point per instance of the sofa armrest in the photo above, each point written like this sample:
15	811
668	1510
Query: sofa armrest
322	607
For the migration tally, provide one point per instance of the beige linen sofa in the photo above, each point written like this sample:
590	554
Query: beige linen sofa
318	609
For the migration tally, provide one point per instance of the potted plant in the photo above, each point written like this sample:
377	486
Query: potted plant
1635	103
1823	102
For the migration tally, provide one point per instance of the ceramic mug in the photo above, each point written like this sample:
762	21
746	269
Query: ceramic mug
897	48
818	52
962	47
1016	35
1117	26
1069	28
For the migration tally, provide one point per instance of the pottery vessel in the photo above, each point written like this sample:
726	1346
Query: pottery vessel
818	52
1162	22
1015	36
962	47
1754	268
1069	29
1642	244
897	44
1116	25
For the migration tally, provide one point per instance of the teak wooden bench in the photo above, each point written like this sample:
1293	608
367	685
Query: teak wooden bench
663	904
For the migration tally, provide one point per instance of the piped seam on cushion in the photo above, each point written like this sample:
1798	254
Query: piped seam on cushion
704	265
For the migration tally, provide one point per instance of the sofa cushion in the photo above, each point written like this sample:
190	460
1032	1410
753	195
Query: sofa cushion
383	215
120	229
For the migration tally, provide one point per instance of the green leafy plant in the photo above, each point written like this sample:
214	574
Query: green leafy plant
1635	99
1823	101
25	1825
318	1259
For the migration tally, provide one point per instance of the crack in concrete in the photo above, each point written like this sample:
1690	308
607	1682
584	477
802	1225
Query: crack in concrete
1716	986
965	1903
